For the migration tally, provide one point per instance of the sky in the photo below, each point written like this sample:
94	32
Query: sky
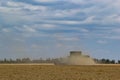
53	28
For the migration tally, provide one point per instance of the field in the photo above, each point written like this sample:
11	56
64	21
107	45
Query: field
53	72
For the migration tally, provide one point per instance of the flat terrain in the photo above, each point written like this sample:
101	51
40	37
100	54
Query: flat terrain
53	72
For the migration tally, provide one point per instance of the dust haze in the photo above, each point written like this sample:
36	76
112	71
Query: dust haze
77	58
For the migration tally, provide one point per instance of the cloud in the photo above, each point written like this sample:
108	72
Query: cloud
113	37
117	30
69	39
88	20
47	26
19	40
84	30
66	37
111	33
36	46
21	5
6	30
102	42
35	23
30	12
25	28
45	0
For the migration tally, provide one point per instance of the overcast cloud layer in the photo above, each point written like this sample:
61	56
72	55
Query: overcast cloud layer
51	28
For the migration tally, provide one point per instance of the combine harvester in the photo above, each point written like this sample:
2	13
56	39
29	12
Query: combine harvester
76	58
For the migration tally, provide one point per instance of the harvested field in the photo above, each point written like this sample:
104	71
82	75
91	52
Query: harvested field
53	72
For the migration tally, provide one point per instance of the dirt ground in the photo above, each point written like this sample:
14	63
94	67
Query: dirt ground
57	72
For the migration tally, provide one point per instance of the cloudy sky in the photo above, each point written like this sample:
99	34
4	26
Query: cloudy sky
52	28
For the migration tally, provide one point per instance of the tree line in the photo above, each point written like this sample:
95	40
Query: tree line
106	61
28	60
53	60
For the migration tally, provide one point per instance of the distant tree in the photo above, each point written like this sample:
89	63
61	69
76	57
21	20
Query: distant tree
48	60
107	61
11	61
18	60
5	60
118	62
103	60
113	61
26	60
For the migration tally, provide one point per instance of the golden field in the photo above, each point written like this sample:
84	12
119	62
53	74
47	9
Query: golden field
54	72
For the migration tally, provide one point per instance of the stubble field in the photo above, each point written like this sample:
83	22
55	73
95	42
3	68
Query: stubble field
53	72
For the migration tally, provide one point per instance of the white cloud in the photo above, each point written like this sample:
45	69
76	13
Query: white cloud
37	20
88	20
60	45
114	18
66	38
67	12
113	37
115	31
93	1
45	0
14	4
84	30
102	42
19	40
6	30
18	9
36	46
48	26
78	1
25	28
69	39
20	6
